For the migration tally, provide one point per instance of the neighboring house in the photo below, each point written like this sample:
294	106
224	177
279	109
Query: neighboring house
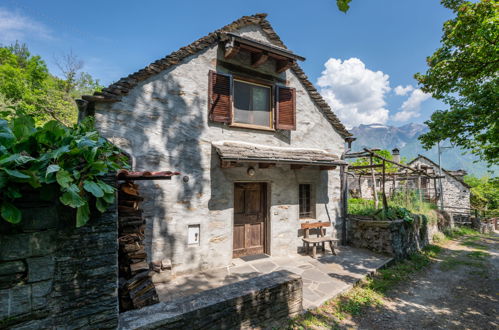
257	147
456	193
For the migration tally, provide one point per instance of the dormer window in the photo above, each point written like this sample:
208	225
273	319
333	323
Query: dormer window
252	104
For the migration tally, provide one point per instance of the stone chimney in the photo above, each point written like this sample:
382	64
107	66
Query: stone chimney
396	155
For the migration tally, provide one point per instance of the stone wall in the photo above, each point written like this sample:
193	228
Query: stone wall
54	275
263	302
398	238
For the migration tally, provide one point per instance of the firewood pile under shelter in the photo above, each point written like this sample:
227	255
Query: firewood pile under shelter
136	289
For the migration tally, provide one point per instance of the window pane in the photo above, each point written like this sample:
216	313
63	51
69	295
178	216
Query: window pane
305	201
252	104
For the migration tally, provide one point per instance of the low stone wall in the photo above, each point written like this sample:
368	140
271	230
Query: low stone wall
54	275
398	238
262	302
484	226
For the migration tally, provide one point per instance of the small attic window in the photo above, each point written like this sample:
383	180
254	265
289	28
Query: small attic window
252	104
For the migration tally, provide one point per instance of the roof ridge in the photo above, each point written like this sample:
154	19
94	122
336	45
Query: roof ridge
115	91
443	169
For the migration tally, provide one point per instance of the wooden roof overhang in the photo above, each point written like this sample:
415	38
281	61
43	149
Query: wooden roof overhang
260	52
233	153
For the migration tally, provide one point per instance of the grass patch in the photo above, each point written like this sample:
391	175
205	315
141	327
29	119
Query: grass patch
369	293
474	245
478	255
458	232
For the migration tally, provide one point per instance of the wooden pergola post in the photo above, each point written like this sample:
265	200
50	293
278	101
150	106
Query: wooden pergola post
385	203
374	182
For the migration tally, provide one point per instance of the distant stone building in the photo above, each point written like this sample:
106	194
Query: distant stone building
456	193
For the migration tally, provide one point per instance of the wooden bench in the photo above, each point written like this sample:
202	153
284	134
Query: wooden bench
320	239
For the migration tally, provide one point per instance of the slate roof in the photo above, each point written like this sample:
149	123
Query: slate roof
115	91
449	173
241	151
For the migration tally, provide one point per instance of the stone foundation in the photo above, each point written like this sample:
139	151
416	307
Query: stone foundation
54	275
398	238
263	302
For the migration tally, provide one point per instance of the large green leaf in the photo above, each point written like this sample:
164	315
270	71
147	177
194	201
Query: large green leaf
7	138
18	159
3	179
10	213
101	205
16	174
82	215
64	178
109	198
51	169
105	187
71	197
93	188
23	127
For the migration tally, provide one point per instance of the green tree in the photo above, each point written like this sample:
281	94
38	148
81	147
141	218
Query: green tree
28	88
390	168
464	74
484	192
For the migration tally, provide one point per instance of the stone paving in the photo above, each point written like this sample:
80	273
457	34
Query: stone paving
323	278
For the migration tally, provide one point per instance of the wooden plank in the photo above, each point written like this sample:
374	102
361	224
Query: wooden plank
282	66
257	59
296	166
360	167
308	225
266	165
327	168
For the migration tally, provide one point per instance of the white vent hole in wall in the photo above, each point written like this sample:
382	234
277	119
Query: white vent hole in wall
193	233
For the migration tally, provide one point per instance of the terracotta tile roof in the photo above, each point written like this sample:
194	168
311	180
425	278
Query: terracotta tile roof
115	91
450	173
242	151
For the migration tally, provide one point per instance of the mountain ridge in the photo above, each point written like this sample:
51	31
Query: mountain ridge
405	138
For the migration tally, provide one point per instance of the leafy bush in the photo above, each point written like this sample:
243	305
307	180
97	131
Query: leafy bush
70	161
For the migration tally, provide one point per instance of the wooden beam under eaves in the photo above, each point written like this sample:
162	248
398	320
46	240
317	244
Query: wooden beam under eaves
227	164
265	165
282	66
231	51
258	59
327	168
296	166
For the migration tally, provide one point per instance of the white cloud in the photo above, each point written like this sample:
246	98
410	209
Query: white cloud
14	26
401	90
411	106
355	93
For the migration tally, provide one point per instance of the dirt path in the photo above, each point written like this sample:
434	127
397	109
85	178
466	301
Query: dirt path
460	291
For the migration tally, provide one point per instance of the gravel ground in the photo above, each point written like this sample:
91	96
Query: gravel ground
460	291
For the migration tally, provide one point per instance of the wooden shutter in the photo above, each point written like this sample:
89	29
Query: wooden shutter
220	97
286	108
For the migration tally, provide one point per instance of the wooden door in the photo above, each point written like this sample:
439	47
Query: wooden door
249	219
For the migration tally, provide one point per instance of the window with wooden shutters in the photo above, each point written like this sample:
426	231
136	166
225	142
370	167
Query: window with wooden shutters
220	97
252	104
286	108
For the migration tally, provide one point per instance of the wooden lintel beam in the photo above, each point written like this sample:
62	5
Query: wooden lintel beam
327	168
227	164
296	166
258	59
282	66
360	167
266	165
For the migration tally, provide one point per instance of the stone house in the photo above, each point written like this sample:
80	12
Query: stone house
258	148
456	193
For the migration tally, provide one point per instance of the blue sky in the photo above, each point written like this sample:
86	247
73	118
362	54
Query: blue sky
362	61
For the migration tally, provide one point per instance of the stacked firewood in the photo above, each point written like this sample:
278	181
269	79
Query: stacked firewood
136	288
